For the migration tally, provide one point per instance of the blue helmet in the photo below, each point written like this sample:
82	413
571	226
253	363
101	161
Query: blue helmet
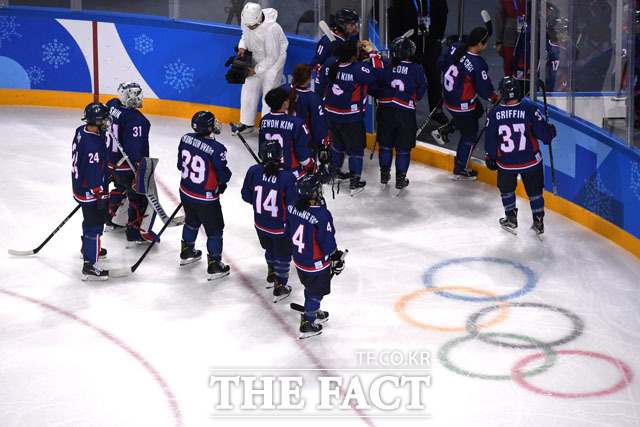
402	47
309	187
272	152
96	114
509	89
344	17
202	121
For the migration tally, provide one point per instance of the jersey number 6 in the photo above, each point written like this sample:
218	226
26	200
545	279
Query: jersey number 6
449	77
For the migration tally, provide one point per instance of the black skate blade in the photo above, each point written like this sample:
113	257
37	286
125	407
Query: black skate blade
190	260
215	276
356	191
269	285
399	191
280	297
305	335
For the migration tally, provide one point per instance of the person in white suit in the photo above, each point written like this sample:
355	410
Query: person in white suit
262	36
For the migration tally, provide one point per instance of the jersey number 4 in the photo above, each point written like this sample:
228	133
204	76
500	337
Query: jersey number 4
508	144
297	238
193	167
269	204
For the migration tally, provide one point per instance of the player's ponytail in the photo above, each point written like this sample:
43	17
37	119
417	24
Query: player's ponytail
478	35
302	204
346	52
301	77
271	168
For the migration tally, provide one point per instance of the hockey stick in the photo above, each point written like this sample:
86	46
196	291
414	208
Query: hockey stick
428	119
244	141
327	31
541	85
408	33
36	250
487	22
298	307
121	272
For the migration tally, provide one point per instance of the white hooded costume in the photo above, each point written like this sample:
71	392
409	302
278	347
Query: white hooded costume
269	47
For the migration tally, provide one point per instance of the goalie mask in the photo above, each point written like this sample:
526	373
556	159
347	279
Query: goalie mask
130	94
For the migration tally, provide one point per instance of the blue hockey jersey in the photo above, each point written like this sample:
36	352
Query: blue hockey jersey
293	136
512	136
324	50
557	67
404	85
464	81
310	110
345	100
203	163
312	237
89	172
270	196
131	128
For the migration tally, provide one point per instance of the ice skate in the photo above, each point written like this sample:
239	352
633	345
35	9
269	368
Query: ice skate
308	329
188	254
401	182
510	222
322	317
92	272
464	174
280	291
538	226
271	276
216	269
356	185
385	177
441	134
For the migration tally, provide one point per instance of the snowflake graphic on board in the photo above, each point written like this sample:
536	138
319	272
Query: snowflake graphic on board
598	198
143	44
8	27
635	179
36	75
178	75
55	53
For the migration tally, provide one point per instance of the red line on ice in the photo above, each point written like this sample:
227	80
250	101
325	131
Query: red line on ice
173	403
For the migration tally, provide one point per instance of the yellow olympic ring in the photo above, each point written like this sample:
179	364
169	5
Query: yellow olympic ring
402	302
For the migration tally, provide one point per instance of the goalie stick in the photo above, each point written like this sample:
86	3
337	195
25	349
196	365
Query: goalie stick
64	221
122	272
541	85
244	141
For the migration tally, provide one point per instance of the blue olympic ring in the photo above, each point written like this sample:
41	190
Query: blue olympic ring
427	279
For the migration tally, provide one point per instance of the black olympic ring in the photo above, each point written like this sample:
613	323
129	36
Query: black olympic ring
578	325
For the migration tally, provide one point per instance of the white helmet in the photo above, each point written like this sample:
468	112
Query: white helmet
130	94
252	14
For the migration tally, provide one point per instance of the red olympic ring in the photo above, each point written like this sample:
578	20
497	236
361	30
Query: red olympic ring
627	375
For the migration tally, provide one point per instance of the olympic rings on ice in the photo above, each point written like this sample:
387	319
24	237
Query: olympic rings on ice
578	325
402	303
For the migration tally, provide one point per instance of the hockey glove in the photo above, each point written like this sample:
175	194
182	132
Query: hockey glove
553	130
222	187
337	262
324	155
102	203
490	162
492	104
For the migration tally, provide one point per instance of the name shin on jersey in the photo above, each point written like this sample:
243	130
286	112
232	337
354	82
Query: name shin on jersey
196	143
276	124
510	114
306	215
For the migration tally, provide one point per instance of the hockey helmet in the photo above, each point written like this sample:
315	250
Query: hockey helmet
202	121
309	187
559	30
344	17
130	95
323	174
96	114
252	14
272	152
509	89
402	47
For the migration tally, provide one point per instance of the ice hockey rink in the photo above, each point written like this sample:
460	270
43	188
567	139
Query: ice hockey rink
511	330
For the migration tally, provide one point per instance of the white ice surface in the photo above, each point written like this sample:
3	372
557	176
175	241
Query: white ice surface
139	351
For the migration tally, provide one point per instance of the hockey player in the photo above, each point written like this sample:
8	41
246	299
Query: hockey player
307	105
465	79
344	83
131	128
203	163
404	86
557	55
346	28
315	253
511	144
90	184
263	36
270	189
290	132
